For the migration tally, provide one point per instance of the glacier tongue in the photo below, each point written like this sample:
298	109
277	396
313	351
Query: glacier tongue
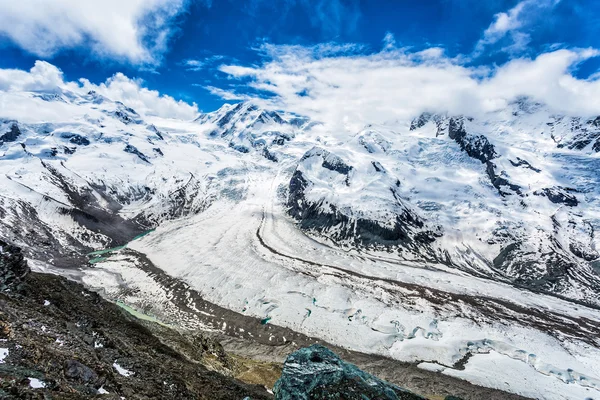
417	240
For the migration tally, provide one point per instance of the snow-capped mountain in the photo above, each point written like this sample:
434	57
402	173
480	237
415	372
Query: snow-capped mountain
434	239
511	197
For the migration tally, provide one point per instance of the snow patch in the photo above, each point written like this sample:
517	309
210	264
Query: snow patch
36	383
121	370
3	354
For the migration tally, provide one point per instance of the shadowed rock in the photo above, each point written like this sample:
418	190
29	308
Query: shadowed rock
317	373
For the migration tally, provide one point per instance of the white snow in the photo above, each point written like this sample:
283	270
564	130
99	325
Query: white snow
236	245
121	370
46	303
504	373
431	367
3	354
101	390
36	383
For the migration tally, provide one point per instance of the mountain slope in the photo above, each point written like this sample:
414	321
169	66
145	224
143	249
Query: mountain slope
61	341
439	239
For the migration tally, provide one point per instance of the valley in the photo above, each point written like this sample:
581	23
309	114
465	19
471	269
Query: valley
429	246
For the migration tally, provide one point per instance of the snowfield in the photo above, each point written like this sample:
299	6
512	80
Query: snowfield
466	245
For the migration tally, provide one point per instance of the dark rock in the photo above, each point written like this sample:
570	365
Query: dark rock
124	118
69	150
476	146
281	139
378	167
499	182
584	134
225	119
80	372
239	147
594	122
154	129
268	155
268	116
126	115
316	373
420	121
11	135
558	195
76	139
13	267
583	253
52	343
327	219
523	163
330	160
133	150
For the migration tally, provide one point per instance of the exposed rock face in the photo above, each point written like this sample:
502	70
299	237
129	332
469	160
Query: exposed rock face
12	135
76	139
519	162
316	373
133	150
499	182
476	146
559	195
329	160
13	268
65	342
385	220
583	134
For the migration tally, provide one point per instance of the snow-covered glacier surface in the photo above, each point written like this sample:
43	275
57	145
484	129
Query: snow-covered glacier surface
466	245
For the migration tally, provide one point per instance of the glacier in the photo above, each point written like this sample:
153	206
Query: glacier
464	244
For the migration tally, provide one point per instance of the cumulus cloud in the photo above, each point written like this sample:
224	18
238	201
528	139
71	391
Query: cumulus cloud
350	90
145	101
45	77
133	30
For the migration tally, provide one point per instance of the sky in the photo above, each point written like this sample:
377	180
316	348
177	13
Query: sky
325	58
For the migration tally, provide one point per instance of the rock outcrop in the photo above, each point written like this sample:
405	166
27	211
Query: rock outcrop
316	373
61	341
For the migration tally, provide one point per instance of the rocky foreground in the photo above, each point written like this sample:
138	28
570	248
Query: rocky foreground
61	341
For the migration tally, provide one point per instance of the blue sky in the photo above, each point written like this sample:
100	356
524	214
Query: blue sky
229	31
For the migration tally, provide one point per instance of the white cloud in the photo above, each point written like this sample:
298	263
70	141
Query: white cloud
389	41
145	101
136	31
352	90
193	65
508	24
198	65
225	94
334	17
45	77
